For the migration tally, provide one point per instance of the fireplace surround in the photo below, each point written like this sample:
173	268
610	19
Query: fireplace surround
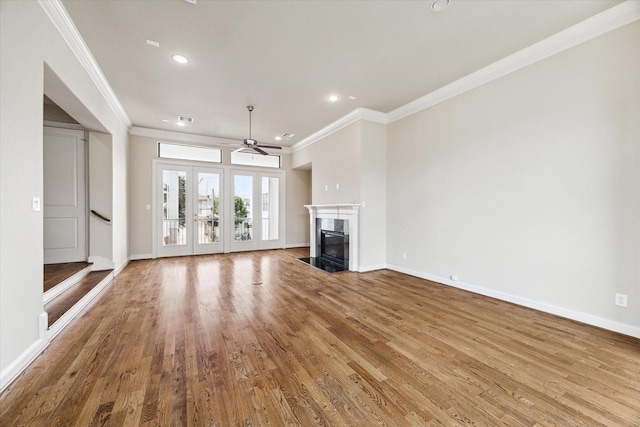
340	223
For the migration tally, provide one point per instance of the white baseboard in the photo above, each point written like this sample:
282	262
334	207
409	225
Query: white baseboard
66	284
140	256
101	263
59	325
16	367
120	268
296	245
365	268
578	316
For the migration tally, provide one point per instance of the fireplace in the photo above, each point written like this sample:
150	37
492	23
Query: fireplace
334	247
340	223
332	240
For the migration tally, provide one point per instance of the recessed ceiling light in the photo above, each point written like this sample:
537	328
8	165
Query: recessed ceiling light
332	98
165	120
351	97
278	138
153	43
181	124
180	59
440	5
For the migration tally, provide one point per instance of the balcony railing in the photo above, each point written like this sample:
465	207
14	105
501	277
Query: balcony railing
173	232
208	230
243	229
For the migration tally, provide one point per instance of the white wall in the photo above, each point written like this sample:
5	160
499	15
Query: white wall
349	166
373	185
101	200
31	47
335	171
529	187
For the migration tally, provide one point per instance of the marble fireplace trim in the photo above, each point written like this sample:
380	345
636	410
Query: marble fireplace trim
350	212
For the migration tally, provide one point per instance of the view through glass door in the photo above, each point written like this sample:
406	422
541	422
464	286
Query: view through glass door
257	208
189	204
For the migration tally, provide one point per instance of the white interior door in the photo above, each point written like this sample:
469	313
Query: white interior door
257	211
64	199
188	207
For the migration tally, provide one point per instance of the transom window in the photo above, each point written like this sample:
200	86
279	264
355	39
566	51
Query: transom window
189	152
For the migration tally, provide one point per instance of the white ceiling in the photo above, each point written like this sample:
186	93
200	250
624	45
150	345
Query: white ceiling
286	57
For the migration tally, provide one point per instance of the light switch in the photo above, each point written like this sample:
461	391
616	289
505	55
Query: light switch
148	207
36	204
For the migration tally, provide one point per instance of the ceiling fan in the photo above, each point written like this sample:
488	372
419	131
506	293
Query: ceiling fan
252	143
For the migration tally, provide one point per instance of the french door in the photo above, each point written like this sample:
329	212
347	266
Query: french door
257	211
189	204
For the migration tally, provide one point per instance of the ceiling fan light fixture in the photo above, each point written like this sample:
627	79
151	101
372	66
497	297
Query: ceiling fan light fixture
440	5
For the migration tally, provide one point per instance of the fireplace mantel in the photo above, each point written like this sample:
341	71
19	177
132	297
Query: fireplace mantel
348	211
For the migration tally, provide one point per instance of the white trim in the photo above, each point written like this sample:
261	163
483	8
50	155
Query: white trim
140	256
171	136
65	284
180	136
609	20
367	268
341	123
64	24
348	211
63	125
296	245
15	368
67	317
101	263
122	266
578	316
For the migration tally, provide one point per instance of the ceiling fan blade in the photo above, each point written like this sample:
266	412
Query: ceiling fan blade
264	153
237	150
271	146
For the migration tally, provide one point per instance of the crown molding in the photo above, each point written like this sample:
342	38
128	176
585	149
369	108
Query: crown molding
341	123
63	23
609	20
168	135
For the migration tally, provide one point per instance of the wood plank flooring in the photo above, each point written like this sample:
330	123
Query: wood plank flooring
194	342
63	303
55	274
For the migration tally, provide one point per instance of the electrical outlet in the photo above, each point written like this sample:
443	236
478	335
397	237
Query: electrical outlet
454	277
35	204
404	255
621	300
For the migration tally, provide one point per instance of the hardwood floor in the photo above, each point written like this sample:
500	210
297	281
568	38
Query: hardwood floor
63	303
193	341
55	274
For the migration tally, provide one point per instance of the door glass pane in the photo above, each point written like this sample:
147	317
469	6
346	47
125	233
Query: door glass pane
270	204
173	206
243	205
208	209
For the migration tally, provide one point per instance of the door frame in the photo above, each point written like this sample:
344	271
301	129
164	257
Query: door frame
82	192
191	246
226	216
257	243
